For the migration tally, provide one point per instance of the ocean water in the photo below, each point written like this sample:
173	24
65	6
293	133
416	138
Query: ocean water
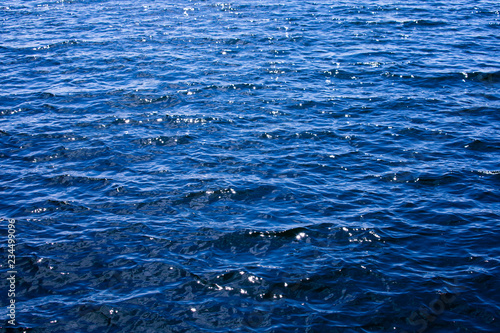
250	166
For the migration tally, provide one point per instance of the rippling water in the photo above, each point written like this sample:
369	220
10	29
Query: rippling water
252	166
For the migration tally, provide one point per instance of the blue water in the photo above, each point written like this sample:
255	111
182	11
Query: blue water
251	166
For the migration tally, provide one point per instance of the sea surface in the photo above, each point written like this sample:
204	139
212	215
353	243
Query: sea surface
250	166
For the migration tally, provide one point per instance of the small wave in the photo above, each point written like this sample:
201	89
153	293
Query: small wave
61	44
487	172
167	141
425	23
492	77
437	180
431	79
486	146
51	206
69	180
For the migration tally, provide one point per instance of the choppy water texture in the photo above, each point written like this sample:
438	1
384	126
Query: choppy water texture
252	166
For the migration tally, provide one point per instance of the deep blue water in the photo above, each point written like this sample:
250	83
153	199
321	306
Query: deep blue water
251	166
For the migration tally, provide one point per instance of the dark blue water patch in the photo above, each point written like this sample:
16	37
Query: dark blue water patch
336	280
